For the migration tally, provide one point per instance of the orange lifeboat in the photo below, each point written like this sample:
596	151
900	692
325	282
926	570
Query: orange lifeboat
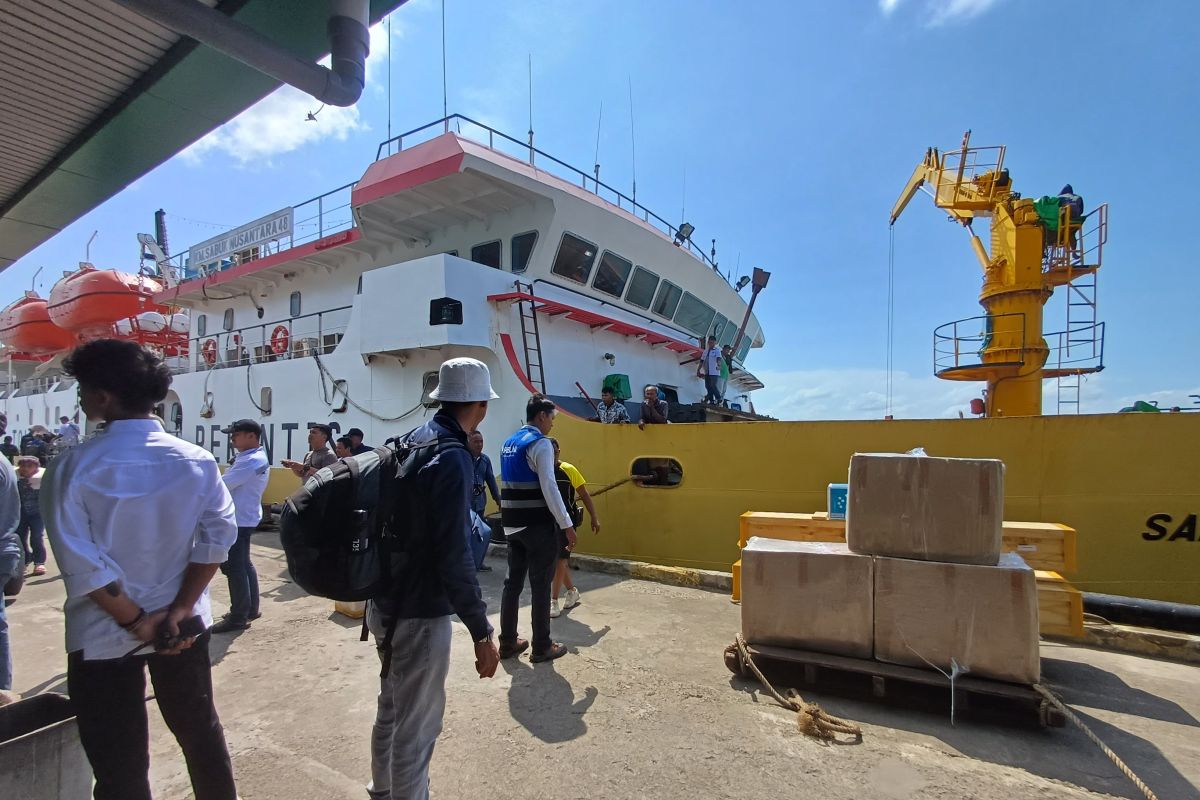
26	327
89	301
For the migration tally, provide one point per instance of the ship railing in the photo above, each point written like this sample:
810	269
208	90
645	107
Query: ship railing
960	170
284	339
1077	244
1080	349
960	345
31	386
525	151
313	219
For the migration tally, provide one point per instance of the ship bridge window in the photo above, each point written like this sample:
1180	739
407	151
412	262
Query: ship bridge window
202	325
727	336
641	288
574	258
743	348
522	249
667	299
719	326
227	322
294	304
659	473
487	254
694	314
612	274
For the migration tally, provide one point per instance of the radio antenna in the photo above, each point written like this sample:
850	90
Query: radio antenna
599	120
445	100
632	141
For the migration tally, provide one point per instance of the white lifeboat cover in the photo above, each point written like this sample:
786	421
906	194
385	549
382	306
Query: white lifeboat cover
151	321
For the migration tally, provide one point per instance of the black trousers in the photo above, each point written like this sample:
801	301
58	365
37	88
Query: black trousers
533	552
109	701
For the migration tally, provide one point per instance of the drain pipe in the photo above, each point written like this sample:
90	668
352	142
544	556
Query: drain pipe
349	42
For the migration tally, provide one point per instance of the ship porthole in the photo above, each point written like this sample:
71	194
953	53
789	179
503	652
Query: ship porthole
656	472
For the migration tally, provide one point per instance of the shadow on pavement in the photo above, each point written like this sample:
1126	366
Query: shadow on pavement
544	703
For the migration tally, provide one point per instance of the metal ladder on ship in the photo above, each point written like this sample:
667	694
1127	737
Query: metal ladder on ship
531	338
1080	339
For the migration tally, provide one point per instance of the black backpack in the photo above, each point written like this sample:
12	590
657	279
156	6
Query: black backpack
342	531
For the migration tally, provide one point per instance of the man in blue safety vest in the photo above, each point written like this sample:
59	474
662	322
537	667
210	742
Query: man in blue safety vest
532	512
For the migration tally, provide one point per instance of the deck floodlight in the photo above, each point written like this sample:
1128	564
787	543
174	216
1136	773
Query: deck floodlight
684	233
741	284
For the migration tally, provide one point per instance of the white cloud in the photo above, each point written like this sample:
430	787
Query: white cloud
861	394
278	123
943	12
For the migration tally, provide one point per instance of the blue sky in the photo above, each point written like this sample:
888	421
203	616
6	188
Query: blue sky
796	125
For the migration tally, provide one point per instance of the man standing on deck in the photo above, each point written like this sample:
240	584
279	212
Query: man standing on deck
533	512
611	411
139	521
654	411
319	453
246	480
437	579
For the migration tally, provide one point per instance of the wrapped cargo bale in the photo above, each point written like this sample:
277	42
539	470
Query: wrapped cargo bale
927	508
985	619
807	595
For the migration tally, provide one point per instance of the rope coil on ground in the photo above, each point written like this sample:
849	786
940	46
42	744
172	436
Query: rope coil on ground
811	719
1069	714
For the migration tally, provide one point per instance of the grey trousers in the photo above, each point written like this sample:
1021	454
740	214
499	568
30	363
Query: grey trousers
412	701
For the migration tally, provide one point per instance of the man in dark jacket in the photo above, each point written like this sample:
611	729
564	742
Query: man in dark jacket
438	579
1068	198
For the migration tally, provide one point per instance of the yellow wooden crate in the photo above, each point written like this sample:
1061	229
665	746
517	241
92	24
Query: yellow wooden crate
791	527
1044	545
1060	606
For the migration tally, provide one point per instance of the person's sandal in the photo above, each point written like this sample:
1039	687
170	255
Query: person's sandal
556	651
510	649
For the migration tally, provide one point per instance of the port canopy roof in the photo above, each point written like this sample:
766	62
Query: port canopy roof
96	96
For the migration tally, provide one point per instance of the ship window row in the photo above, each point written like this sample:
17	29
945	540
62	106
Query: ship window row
617	276
489	253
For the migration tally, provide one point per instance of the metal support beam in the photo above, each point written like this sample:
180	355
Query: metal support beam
340	85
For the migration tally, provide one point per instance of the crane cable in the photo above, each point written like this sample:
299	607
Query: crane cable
890	312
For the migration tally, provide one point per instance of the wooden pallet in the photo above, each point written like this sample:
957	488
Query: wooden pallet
899	685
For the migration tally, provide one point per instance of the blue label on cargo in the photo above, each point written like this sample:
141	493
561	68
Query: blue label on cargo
838	495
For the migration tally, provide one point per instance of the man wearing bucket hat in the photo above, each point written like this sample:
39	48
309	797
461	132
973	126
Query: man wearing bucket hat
437	579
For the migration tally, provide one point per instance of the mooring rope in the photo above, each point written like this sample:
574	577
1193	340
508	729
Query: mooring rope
1061	706
810	718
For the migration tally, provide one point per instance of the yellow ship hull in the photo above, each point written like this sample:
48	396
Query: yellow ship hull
1127	483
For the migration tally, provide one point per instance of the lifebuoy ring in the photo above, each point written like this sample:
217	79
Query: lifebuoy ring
209	351
279	340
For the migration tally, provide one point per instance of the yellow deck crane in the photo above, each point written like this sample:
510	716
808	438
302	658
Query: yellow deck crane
1036	246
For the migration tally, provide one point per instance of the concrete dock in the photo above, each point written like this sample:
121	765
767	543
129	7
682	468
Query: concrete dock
642	707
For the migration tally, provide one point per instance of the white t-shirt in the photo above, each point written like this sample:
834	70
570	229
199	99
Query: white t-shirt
69	433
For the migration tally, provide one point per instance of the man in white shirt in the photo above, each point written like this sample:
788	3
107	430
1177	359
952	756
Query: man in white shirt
68	433
139	521
246	480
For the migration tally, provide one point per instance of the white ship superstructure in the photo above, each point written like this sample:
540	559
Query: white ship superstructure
340	309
